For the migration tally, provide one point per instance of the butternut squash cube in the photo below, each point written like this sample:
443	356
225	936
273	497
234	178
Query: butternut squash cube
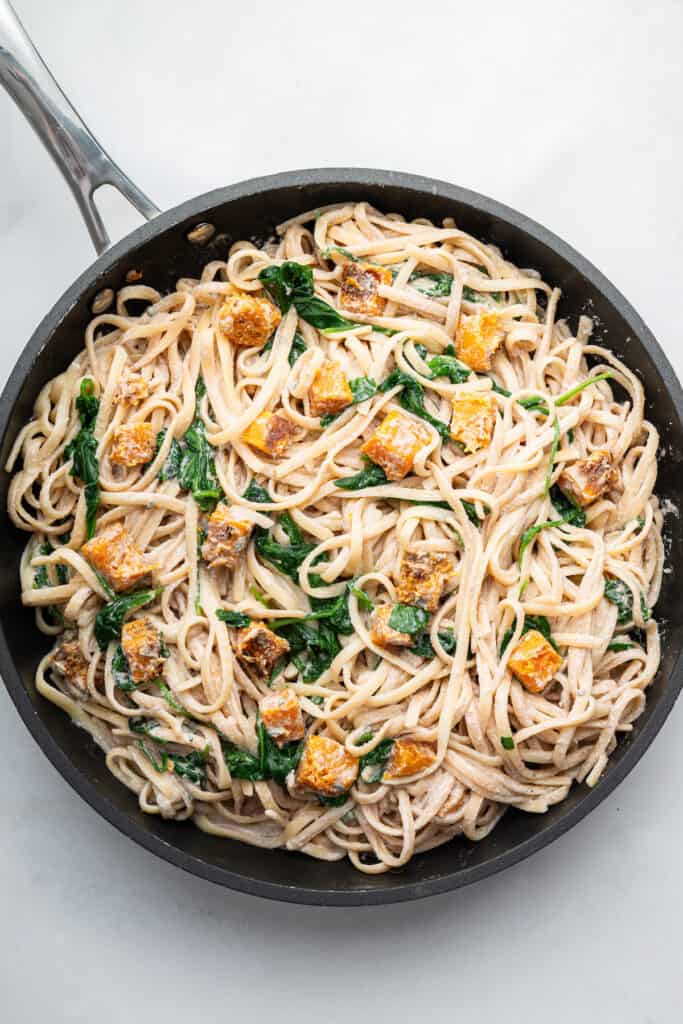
407	758
141	644
227	537
474	419
395	444
271	433
423	579
133	445
330	391
585	480
477	339
246	319
534	661
384	635
114	553
326	767
68	660
360	288
258	646
281	715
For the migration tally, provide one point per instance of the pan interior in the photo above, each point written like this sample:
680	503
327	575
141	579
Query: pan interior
162	253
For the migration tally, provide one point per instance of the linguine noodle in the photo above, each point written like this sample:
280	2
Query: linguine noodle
493	743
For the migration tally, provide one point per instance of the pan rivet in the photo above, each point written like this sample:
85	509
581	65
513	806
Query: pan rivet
201	234
102	301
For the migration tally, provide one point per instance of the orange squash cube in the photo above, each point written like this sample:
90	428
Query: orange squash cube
271	433
330	391
360	288
407	758
132	388
477	339
114	553
585	480
326	767
474	419
227	537
133	445
141	644
246	319
395	444
281	715
68	660
258	646
384	635
423	579
534	661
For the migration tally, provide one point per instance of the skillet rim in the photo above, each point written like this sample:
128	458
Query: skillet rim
400	891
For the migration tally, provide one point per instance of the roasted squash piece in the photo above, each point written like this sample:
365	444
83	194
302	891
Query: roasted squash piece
534	661
133	445
477	339
395	444
585	480
384	635
330	391
271	433
360	288
141	643
258	646
423	579
474	418
246	319
114	553
407	758
281	715
227	537
326	767
67	659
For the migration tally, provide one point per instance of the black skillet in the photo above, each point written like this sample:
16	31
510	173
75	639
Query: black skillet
162	251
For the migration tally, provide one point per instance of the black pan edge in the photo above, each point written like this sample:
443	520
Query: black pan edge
363	891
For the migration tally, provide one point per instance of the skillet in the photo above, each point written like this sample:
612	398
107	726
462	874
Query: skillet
177	244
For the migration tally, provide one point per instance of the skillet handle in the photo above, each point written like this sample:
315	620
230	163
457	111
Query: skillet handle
83	162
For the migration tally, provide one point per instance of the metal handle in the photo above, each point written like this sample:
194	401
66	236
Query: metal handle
79	156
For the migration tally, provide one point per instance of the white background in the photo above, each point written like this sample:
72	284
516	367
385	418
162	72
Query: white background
572	114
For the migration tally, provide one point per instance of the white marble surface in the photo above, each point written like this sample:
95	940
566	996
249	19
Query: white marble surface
570	113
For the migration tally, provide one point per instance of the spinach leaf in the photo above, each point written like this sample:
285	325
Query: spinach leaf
620	595
333	801
171	466
449	366
534	403
533	532
423	647
237	619
121	671
334	610
570	512
83	452
191	766
109	619
170	699
568	395
159	766
255	492
408	618
241	764
471	512
277	762
144	726
298	348
644	610
411	398
495	387
312	649
364	601
620	645
362	388
537	622
41	578
376	758
197	467
507	743
286	558
372	476
439	285
291	284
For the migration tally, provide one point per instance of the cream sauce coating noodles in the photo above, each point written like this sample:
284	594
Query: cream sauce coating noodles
437	732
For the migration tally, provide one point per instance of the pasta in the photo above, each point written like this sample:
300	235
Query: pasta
347	546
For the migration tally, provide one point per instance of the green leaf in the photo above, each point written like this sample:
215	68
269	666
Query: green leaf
507	742
255	492
364	601
372	476
620	645
408	618
109	619
170	699
620	595
258	595
449	366
240	763
571	513
533	532
191	766
312	649
470	512
237	619
644	610
422	645
83	453
411	398
333	801
158	765
534	403
276	762
537	622
171	466
121	672
435	285
568	395
377	757
197	468
291	284
298	348
498	389
286	558
144	726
